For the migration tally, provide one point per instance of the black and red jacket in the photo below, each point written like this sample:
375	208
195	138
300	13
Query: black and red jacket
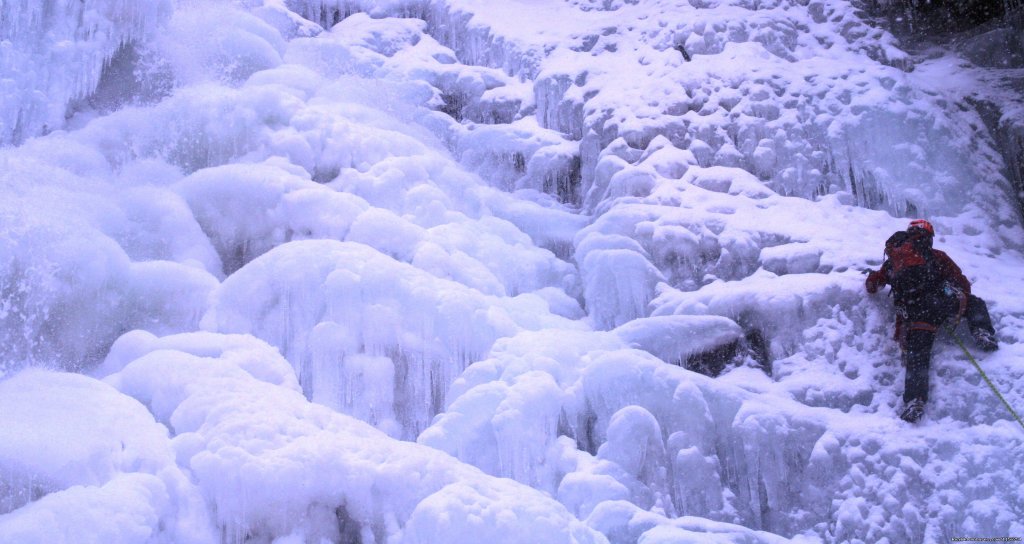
942	269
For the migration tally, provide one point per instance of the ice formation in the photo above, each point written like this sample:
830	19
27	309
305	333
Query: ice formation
414	271
55	52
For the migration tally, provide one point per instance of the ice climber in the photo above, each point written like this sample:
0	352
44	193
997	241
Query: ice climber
928	289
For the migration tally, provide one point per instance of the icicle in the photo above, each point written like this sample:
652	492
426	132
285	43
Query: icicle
59	50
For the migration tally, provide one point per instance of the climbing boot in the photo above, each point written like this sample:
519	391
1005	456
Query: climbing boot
913	411
985	340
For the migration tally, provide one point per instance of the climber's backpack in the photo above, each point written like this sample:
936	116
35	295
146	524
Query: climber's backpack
912	271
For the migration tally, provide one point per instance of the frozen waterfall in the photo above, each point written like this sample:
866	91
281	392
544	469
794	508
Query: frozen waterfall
411	271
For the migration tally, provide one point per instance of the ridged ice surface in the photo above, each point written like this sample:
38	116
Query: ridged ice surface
441	271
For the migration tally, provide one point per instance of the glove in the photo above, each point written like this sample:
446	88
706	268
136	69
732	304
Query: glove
875	281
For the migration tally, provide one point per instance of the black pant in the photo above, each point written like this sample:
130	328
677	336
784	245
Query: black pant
923	317
977	317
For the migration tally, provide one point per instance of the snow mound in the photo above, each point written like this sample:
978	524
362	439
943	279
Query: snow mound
283	468
114	477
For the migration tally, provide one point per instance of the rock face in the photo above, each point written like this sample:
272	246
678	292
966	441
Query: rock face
462	271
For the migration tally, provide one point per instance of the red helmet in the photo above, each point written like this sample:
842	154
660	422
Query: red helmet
923	225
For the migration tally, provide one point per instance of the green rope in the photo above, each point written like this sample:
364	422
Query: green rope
983	375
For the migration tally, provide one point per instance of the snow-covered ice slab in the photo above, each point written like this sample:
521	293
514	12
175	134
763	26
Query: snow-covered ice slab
367	334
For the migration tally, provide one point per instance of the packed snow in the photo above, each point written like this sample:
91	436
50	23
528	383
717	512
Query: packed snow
577	271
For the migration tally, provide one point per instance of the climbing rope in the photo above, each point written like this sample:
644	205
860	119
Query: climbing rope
983	375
